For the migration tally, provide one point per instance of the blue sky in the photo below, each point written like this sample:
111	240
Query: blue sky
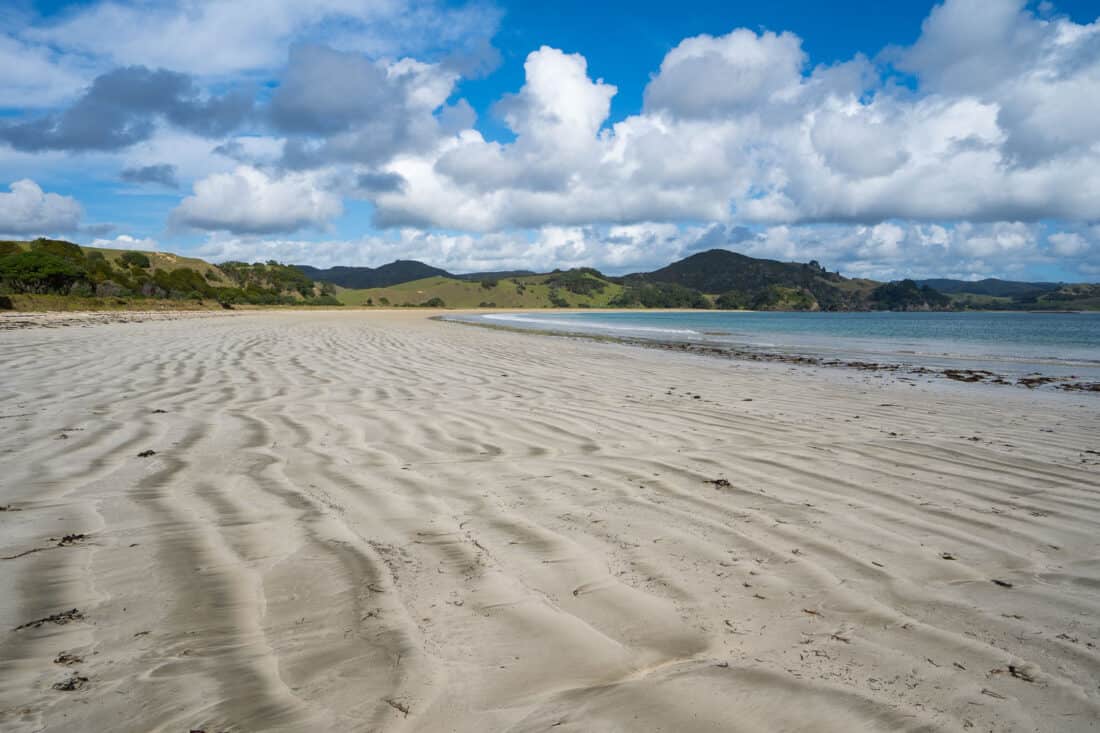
882	139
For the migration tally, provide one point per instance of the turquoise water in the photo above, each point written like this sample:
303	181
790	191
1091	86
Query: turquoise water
1015	343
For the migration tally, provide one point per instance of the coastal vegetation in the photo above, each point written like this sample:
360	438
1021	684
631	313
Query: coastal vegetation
54	274
50	273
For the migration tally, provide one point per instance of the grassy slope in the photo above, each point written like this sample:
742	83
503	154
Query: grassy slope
466	294
159	260
42	303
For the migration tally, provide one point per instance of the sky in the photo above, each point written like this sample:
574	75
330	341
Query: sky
885	140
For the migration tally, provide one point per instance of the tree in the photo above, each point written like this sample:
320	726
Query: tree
135	259
38	272
59	248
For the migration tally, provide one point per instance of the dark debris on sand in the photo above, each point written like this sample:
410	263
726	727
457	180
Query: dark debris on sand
72	683
60	619
146	453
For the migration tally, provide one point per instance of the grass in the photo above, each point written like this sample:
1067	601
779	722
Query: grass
531	292
42	303
158	260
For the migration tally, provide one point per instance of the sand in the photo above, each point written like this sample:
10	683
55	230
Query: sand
366	521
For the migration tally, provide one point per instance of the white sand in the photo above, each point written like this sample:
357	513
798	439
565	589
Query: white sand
351	515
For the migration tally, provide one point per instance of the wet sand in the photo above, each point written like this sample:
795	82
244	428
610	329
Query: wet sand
373	521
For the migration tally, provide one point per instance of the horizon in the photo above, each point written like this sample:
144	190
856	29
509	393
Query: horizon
930	140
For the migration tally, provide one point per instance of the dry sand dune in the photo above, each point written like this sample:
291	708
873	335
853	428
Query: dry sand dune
368	522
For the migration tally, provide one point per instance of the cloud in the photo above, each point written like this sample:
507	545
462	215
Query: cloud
343	107
211	38
967	46
740	129
708	77
379	182
986	158
36	76
163	174
126	241
1068	244
28	210
885	251
248	200
122	107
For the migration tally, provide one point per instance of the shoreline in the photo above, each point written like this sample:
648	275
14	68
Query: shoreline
964	375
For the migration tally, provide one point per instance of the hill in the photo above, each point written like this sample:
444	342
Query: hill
739	281
37	273
572	288
395	273
716	279
499	274
46	273
990	286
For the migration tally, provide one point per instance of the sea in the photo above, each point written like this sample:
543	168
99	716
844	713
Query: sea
1008	343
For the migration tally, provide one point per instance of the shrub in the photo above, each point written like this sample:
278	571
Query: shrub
98	267
59	248
9	248
108	289
557	301
489	283
907	295
483	304
5	303
660	295
183	283
39	272
383	301
732	301
81	289
322	300
582	281
135	259
435	302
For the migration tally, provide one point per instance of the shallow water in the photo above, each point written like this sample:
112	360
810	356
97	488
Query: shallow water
1056	344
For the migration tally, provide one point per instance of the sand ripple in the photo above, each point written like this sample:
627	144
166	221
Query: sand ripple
374	522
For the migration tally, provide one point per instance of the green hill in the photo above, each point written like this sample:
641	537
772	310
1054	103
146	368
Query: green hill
573	288
55	274
991	287
739	281
395	273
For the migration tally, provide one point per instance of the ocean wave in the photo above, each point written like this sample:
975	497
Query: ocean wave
591	325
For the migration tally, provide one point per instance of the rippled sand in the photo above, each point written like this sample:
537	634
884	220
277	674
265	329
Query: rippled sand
367	521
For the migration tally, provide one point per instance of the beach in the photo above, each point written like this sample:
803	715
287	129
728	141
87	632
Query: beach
376	521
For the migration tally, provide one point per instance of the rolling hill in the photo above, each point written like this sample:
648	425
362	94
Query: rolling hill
395	273
56	274
577	289
51	274
749	282
990	286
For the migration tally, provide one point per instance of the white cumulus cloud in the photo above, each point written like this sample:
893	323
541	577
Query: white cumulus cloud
28	210
249	200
